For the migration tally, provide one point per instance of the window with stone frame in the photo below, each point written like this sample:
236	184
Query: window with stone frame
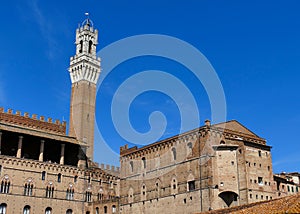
88	196
50	190
191	186
28	188
5	184
70	192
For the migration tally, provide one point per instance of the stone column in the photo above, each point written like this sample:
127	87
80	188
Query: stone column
42	145
62	154
81	158
19	152
0	142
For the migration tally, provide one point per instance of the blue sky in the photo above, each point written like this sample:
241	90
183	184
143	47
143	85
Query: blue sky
253	46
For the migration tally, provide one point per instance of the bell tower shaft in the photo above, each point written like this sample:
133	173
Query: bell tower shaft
84	72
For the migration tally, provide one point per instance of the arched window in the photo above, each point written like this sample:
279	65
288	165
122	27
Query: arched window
114	209
144	162
88	196
174	153
222	142
26	209
100	196
28	188
59	178
75	178
81	46
70	192
49	190
131	166
5	184
190	148
3	207
43	175
105	209
48	210
69	211
90	46
97	210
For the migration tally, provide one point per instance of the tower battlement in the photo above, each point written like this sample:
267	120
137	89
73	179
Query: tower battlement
33	122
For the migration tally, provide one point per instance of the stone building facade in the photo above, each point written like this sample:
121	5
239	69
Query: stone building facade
212	167
45	170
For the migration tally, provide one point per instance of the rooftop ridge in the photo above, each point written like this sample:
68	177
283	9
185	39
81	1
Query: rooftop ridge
33	122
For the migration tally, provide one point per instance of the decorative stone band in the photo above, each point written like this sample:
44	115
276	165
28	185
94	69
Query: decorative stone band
84	68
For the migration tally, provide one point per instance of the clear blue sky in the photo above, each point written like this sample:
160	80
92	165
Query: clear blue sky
254	46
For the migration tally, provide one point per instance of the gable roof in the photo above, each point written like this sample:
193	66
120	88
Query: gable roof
235	126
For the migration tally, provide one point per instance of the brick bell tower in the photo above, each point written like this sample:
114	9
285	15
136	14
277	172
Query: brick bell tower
84	72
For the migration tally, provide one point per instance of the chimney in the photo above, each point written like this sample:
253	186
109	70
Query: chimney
207	122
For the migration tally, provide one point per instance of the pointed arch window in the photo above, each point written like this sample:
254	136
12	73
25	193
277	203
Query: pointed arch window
100	196
49	190
97	210
28	188
5	185
70	192
105	209
88	196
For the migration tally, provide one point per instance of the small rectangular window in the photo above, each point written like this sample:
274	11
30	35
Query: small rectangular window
260	181
191	185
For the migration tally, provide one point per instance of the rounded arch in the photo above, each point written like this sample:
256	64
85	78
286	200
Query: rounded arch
3	208
69	211
26	209
48	210
174	153
229	197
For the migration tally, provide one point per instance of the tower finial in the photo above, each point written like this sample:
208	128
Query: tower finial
87	21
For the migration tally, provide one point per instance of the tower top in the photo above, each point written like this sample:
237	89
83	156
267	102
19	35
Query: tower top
87	22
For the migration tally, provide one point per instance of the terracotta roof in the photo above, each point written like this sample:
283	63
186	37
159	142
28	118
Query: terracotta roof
289	204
